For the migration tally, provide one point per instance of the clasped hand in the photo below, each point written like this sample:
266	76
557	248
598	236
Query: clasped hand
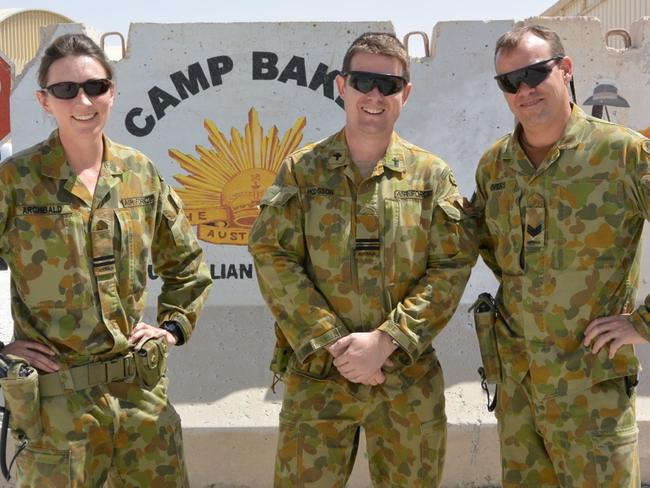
360	356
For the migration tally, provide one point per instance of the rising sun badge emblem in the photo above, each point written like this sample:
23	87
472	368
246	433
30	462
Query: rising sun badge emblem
224	185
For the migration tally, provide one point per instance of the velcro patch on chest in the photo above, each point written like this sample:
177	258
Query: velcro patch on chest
412	194
143	201
40	210
498	186
319	191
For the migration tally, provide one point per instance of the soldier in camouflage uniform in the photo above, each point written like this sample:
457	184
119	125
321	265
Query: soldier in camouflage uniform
562	201
359	254
80	218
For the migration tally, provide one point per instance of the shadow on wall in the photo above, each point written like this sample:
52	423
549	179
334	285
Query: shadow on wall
223	356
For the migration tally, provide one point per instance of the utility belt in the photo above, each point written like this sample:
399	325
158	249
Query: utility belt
145	367
23	387
87	376
485	317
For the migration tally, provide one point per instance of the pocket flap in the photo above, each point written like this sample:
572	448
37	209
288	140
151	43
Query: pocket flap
278	196
448	207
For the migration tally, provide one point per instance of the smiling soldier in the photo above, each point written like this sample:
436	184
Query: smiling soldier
80	217
562	201
360	255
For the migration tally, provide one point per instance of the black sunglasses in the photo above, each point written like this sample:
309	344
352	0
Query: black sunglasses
364	82
532	75
67	90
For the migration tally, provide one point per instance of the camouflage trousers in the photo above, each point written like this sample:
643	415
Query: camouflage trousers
587	439
116	433
320	423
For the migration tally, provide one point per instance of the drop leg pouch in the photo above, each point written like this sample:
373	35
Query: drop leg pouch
485	322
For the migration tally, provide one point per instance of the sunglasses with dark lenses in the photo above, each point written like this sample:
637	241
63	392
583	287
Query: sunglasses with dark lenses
67	90
532	75
364	82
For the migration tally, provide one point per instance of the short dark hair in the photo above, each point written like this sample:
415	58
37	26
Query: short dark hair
511	39
382	43
72	45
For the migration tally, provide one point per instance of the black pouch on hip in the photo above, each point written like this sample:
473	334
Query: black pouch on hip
151	362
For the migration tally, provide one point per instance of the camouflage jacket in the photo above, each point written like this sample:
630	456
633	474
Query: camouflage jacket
336	253
563	241
79	264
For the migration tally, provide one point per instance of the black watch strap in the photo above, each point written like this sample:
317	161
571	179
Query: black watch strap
174	329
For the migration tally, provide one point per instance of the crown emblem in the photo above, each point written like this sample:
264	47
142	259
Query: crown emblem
224	185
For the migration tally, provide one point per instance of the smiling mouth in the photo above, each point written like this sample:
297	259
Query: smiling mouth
373	111
531	103
84	118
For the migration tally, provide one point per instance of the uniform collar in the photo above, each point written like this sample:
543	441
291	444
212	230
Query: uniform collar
53	160
394	159
569	139
55	165
113	163
339	155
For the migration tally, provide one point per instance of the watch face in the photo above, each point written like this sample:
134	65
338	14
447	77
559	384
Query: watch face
174	329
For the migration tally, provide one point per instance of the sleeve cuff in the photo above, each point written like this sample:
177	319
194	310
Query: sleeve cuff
183	324
319	342
406	343
640	325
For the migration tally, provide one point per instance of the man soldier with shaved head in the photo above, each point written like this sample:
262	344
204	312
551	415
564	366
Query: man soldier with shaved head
561	204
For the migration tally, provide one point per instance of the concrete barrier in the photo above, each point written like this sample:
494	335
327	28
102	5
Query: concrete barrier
216	106
6	75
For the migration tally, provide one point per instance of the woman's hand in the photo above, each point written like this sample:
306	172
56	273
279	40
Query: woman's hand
36	354
143	332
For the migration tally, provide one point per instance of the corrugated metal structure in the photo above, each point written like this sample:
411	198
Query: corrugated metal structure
614	14
19	33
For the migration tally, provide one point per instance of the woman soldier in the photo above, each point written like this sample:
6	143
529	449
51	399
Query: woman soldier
80	218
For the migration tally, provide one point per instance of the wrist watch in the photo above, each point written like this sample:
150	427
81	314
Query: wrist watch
174	329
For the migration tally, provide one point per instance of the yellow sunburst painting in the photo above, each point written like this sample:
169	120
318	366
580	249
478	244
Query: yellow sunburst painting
224	184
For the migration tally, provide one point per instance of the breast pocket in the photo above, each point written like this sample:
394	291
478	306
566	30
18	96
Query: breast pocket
585	220
504	222
327	227
50	260
406	237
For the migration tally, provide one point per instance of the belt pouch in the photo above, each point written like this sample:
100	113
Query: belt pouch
485	322
151	362
20	389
